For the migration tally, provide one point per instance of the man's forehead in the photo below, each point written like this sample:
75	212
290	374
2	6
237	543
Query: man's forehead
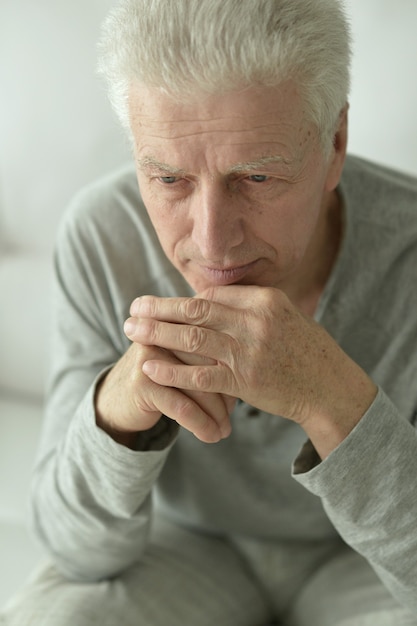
253	107
238	132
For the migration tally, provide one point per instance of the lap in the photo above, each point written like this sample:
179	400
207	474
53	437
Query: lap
345	591
183	578
190	578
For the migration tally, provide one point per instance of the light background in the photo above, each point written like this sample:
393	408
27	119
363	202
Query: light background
383	113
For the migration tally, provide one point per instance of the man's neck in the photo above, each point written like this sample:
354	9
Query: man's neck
306	290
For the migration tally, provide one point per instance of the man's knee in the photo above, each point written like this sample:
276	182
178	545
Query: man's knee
49	599
182	578
345	591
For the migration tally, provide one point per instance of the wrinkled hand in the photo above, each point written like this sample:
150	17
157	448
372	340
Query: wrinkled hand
128	401
261	349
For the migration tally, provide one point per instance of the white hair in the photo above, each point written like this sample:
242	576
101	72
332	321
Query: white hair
192	47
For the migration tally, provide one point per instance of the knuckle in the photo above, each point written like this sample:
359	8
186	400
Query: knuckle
202	378
195	310
171	377
194	339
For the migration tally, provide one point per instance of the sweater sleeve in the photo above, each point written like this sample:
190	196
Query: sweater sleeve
91	497
368	489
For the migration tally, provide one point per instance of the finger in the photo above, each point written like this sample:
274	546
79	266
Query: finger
205	378
219	406
214	405
180	338
188	413
191	311
193	359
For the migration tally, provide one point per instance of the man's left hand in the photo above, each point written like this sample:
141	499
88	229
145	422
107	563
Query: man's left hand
263	350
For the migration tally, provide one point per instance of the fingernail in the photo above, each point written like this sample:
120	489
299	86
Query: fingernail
148	368
134	307
129	327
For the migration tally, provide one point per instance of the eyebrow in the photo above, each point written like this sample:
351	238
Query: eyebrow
150	162
259	164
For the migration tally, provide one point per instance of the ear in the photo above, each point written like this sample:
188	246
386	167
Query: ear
338	151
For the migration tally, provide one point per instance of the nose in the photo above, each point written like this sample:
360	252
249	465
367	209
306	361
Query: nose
218	224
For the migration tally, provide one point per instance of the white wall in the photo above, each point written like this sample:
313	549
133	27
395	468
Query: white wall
383	113
56	128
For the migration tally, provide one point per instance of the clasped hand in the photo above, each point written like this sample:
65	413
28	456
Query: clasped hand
239	342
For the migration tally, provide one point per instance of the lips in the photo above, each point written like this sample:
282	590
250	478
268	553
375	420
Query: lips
226	276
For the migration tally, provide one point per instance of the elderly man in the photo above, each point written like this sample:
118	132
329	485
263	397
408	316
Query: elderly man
241	449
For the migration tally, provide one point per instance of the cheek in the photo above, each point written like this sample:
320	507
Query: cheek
170	229
288	222
291	228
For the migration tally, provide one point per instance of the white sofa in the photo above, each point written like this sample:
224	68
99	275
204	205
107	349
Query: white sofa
57	133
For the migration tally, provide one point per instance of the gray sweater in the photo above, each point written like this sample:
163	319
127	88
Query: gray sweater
92	499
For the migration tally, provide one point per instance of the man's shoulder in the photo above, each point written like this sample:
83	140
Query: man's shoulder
376	185
106	234
107	194
361	166
381	206
381	247
108	209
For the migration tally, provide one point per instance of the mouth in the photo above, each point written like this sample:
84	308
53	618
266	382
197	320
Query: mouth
226	275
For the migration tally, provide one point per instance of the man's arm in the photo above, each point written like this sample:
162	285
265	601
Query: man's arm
91	502
368	489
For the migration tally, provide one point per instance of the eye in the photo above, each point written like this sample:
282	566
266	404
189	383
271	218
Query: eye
258	178
168	180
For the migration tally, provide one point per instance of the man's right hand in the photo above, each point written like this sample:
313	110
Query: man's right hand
128	402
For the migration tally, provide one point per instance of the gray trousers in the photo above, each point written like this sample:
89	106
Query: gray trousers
188	579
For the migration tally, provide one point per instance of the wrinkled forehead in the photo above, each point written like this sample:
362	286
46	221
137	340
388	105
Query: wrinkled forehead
269	117
250	104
